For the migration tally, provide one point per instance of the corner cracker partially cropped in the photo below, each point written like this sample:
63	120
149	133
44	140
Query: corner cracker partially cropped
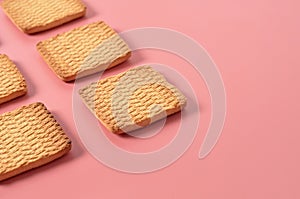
132	99
84	51
32	16
12	83
29	137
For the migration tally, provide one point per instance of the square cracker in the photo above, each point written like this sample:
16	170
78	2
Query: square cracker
84	51
12	83
132	99
29	137
32	16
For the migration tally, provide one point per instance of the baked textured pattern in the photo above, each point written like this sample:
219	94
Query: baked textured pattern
84	51
29	137
12	83
132	99
32	16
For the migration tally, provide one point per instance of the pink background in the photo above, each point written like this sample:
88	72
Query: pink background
256	46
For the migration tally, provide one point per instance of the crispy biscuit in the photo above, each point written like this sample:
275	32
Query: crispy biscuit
132	99
12	83
29	137
84	51
32	16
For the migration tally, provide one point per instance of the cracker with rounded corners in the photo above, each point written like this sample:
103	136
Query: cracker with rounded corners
84	51
29	137
12	83
32	16
133	99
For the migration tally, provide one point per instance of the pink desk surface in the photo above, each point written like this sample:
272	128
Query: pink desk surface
256	46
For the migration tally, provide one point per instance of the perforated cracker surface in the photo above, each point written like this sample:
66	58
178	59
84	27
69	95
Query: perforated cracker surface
29	137
133	99
37	15
84	50
12	83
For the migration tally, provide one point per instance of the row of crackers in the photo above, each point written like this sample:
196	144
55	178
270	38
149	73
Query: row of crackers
30	136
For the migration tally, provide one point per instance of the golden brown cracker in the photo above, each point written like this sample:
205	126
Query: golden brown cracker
12	83
132	99
32	16
84	51
29	137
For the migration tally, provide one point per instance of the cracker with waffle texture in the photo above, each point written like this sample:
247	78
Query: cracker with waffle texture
29	137
132	99
84	51
12	83
32	16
